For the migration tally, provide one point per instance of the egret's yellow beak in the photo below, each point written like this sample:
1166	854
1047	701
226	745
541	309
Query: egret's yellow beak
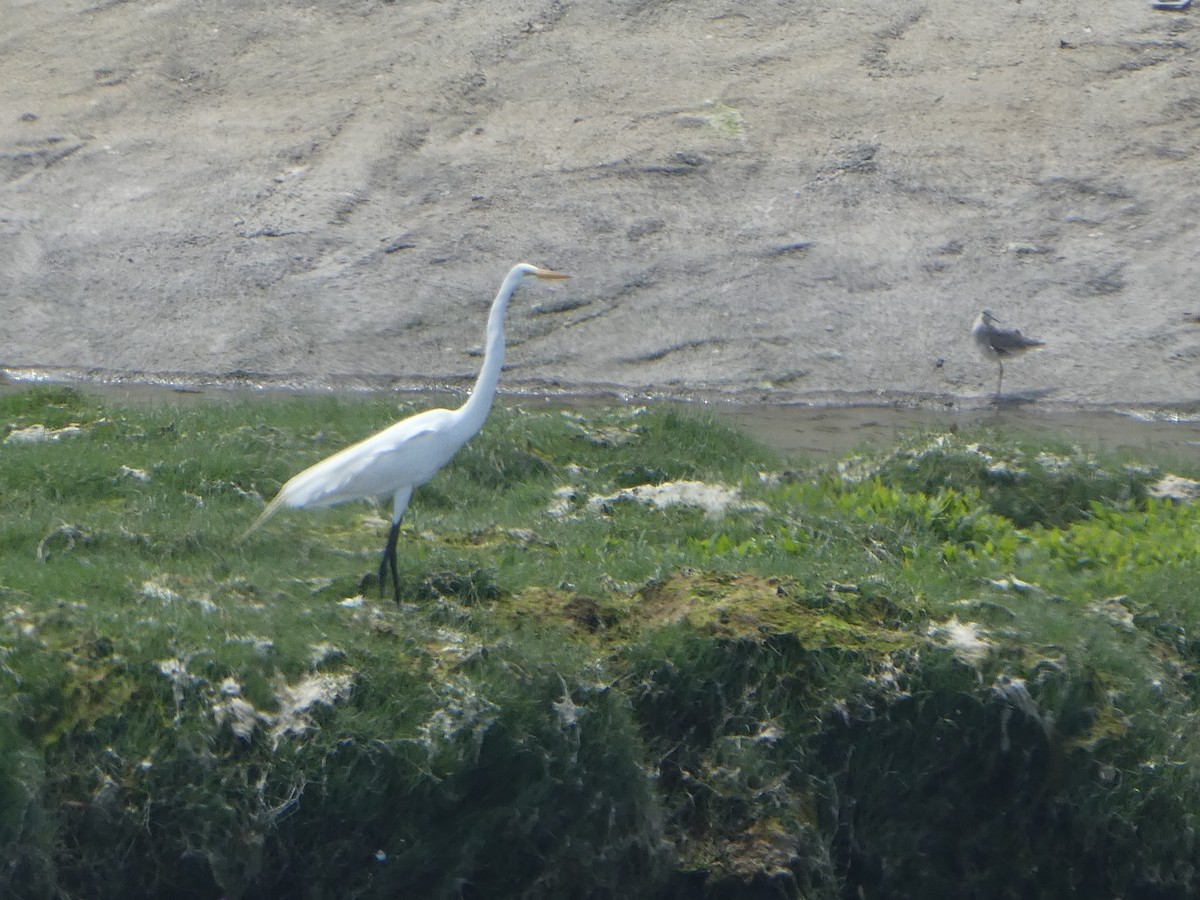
548	273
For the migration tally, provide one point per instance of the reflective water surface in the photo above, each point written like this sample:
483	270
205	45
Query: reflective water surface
816	430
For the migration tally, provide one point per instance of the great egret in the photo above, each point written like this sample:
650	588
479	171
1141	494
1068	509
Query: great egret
406	455
998	343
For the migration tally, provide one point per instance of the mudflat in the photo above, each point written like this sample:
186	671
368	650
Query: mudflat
778	202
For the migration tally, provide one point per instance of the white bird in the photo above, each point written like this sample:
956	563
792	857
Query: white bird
998	343
409	453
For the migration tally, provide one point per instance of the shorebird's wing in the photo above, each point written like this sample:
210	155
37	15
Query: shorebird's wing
1008	340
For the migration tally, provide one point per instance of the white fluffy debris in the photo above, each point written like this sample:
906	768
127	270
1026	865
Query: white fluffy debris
889	678
1116	610
1054	462
1004	469
563	501
769	733
153	590
18	618
714	499
463	711
136	474
176	670
965	639
605	435
565	709
295	700
1176	487
237	713
66	534
1015	693
40	434
262	645
1012	583
295	704
319	653
240	715
858	468
454	648
156	590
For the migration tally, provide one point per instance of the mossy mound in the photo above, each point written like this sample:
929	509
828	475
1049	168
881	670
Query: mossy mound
637	655
461	770
1045	484
827	741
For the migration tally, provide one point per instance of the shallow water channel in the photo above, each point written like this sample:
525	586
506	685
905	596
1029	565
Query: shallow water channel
794	428
820	431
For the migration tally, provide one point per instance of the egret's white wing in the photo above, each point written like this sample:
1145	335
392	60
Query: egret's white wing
407	453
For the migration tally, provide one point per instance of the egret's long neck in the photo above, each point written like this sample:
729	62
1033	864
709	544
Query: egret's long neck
476	409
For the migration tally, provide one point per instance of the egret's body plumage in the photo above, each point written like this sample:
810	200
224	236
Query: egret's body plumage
1000	343
408	453
405	455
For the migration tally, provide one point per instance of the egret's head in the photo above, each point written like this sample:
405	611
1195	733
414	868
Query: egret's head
987	317
539	272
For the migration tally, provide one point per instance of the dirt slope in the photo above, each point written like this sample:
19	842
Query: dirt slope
776	201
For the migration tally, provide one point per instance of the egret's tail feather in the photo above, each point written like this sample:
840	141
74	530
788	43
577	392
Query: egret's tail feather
263	516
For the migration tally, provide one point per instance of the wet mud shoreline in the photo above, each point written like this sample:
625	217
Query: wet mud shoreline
815	426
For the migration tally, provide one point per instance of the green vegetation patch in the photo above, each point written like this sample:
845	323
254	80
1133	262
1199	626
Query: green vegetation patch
637	654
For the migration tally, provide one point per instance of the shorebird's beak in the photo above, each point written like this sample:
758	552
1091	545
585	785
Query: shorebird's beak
548	273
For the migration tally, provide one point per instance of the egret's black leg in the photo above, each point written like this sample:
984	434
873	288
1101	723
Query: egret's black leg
389	556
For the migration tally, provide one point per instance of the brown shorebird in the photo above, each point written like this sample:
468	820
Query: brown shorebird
998	343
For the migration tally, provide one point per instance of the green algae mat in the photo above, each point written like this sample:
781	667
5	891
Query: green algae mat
637	654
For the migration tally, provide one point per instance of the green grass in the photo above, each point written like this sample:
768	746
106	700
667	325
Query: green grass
584	700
